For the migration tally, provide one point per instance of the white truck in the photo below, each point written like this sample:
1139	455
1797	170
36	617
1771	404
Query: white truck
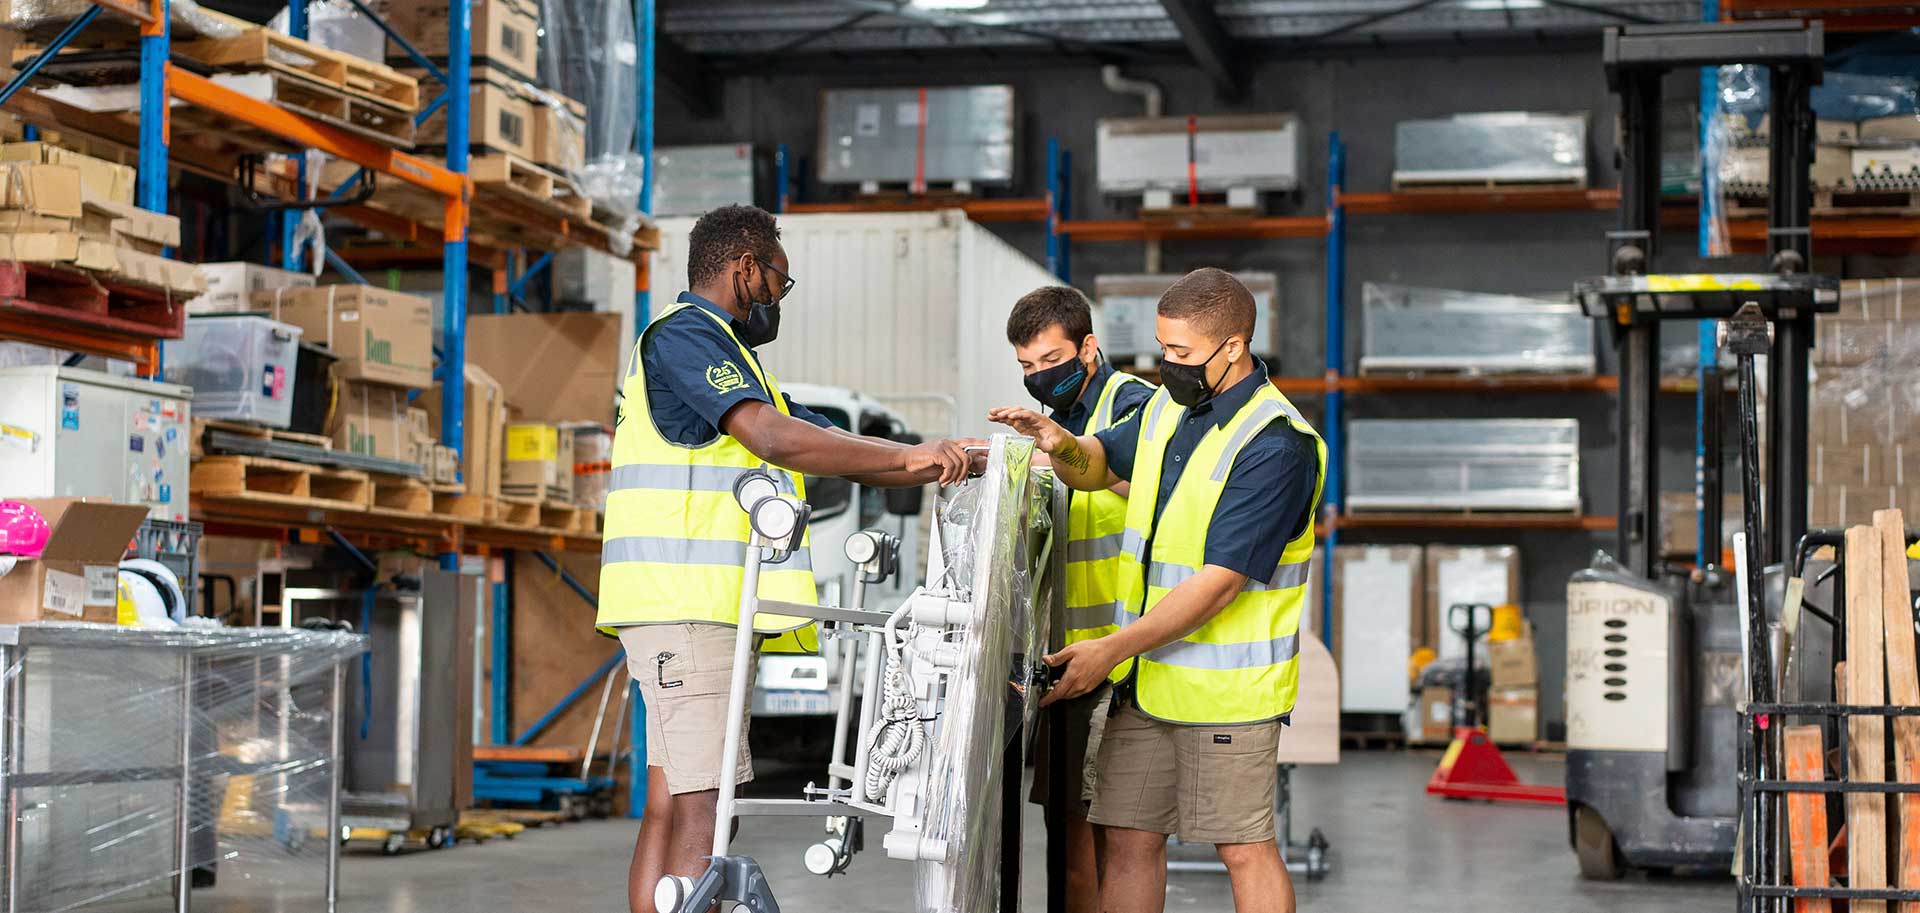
791	701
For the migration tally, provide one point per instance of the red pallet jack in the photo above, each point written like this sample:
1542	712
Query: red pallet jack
1473	767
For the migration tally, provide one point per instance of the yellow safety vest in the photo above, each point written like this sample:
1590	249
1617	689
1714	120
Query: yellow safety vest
675	544
1242	666
1096	523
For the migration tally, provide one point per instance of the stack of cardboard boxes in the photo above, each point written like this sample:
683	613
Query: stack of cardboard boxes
60	207
1513	693
484	424
510	112
1864	414
384	344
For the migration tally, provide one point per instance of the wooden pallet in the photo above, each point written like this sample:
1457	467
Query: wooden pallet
591	523
1365	740
517	512
400	493
503	173
376	123
560	515
472	508
1204	212
260	479
1836	203
531	817
87	300
259	48
202	425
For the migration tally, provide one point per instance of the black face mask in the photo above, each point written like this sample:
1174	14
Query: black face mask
1187	384
1058	387
763	320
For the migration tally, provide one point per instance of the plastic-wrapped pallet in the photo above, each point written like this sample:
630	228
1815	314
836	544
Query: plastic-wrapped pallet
588	53
949	134
140	751
1864	410
1502	147
1464	464
241	367
1427	329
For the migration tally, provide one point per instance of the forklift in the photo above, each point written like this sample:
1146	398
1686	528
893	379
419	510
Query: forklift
1654	654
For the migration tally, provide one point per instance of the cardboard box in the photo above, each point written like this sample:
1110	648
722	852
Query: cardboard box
1679	525
1513	714
485	430
371	419
500	118
50	191
1378	621
230	285
559	132
1511	662
99	179
522	350
1432	722
1467	574
505	32
153	270
379	335
592	464
77	577
130	226
1896	128
539	462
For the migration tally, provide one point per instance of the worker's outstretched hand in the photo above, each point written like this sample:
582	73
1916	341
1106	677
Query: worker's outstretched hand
941	460
1087	662
1046	433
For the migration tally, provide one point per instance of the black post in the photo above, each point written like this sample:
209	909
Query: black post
1631	252
1055	811
1712	485
1747	337
1013	767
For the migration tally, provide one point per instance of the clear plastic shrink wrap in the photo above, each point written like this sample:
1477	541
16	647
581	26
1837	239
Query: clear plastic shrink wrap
101	722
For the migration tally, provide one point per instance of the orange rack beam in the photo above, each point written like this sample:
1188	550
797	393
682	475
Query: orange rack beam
1022	209
1550	199
1264	228
1502	521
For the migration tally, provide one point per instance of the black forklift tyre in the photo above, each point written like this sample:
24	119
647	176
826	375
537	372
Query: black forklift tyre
1593	845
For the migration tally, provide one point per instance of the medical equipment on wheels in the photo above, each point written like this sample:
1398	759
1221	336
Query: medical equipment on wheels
950	685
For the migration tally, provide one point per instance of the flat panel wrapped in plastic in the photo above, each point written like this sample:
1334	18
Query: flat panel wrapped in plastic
1461	464
996	537
956	133
1498	146
101	722
1426	329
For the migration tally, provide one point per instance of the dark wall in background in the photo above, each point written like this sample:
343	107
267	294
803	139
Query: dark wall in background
1362	96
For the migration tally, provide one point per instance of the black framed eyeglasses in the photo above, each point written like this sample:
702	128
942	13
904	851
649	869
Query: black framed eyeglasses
786	281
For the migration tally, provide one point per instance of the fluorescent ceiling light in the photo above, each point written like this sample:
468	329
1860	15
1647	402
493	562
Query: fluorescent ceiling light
1501	4
948	4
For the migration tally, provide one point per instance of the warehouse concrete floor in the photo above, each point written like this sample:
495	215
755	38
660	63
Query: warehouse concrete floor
1392	846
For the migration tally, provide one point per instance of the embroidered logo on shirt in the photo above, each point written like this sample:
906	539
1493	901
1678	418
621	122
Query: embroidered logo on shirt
725	377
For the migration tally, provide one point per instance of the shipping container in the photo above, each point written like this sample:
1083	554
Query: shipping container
908	308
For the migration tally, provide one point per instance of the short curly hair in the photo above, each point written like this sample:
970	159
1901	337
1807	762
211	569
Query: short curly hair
1050	305
726	233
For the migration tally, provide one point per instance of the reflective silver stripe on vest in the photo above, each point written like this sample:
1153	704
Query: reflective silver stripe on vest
1167	576
1192	655
681	477
1099	548
1257	654
668	550
1267	411
1132	543
1158	405
1080	618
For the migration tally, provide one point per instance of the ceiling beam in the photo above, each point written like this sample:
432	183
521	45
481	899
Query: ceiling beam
685	75
1208	43
900	9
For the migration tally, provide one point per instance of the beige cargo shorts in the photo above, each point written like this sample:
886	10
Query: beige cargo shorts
684	671
1207	784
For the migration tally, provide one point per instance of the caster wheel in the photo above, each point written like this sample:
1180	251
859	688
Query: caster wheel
296	841
393	844
576	808
438	839
1593	845
671	893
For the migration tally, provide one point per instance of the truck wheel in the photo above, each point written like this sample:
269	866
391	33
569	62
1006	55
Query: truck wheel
1593	844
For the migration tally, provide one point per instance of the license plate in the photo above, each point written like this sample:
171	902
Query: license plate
798	703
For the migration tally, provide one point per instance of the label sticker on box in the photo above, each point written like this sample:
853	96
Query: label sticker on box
18	438
65	593
906	114
137	444
166	493
349	316
103	581
866	120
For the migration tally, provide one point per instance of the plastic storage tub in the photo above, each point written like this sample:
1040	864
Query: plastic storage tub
240	366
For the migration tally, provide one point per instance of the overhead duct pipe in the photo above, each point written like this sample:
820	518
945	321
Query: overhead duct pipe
1150	99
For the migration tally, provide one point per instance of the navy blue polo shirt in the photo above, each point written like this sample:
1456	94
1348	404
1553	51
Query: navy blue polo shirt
691	388
1269	498
1126	399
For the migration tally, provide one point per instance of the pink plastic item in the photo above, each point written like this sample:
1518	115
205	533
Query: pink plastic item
23	531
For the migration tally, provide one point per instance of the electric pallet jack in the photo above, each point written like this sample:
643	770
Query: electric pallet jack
1654	654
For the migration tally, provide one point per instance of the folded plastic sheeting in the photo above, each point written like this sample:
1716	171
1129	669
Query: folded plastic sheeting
995	544
188	18
588	53
120	746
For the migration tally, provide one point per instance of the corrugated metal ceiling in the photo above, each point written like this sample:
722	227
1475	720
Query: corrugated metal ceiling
730	27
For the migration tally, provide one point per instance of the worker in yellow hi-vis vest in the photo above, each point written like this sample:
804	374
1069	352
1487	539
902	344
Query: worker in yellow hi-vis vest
697	411
1225	478
1051	330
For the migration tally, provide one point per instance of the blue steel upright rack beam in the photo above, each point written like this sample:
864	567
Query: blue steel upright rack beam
644	23
453	363
1059	208
1331	430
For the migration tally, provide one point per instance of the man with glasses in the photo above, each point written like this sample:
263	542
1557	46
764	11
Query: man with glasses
697	411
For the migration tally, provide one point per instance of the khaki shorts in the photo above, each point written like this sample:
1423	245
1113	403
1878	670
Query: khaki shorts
684	671
1208	784
1084	718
